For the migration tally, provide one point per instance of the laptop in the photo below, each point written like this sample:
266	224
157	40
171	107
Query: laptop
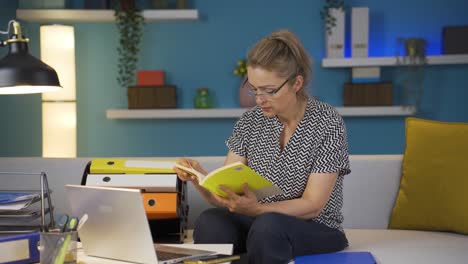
117	227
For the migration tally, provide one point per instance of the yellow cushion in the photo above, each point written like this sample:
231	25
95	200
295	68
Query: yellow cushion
433	191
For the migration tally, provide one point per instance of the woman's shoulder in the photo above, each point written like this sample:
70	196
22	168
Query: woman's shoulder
323	111
252	114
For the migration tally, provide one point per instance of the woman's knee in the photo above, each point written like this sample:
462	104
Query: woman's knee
211	218
269	223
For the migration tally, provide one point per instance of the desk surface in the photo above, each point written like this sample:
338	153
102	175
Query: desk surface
219	248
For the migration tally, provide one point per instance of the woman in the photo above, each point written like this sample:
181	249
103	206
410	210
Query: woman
296	142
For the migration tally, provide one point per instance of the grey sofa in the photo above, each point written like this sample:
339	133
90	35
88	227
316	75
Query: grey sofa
369	192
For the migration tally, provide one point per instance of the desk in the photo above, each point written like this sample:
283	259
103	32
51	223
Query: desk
219	248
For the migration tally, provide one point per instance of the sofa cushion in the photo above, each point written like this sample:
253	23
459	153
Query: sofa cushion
433	187
409	247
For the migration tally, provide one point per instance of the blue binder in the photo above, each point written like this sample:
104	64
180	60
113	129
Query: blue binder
338	257
16	241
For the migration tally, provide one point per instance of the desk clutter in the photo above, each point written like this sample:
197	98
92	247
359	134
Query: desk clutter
164	194
23	214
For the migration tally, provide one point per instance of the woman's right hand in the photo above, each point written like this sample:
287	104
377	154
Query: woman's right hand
184	176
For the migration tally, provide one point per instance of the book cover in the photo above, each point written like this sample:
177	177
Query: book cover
233	176
338	257
19	248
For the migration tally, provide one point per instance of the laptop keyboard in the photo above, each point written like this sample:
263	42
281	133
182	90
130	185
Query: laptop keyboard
164	255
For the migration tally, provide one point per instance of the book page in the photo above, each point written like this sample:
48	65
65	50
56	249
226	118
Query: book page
191	171
234	176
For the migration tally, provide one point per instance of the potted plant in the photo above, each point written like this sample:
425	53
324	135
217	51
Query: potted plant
130	24
333	15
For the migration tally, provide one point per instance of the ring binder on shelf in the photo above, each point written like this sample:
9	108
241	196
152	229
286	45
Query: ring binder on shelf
25	211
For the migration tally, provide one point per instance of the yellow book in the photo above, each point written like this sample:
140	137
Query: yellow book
233	176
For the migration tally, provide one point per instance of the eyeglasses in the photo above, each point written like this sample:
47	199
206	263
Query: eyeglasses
268	93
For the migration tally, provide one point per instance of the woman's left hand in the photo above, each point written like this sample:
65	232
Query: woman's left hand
245	204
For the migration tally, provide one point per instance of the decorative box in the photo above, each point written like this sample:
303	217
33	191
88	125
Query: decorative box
148	97
368	94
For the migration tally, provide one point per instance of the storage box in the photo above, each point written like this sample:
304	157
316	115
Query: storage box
455	40
147	97
151	78
368	94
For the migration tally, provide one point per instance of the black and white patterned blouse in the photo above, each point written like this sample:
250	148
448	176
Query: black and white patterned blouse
317	145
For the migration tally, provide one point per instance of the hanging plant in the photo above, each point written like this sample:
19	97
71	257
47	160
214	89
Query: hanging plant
130	24
328	18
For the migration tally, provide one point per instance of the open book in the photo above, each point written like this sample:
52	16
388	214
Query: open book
233	176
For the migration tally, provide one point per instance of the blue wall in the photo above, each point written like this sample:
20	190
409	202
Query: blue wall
203	53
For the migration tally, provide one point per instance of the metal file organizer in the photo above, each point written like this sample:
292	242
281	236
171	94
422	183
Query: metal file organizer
25	219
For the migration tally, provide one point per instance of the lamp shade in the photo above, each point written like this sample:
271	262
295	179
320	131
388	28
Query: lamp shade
21	73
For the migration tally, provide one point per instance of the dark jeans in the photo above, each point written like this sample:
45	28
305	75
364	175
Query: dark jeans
268	238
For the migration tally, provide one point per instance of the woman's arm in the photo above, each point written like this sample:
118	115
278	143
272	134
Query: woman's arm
316	194
232	157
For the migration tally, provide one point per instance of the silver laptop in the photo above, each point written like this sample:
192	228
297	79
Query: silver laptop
117	227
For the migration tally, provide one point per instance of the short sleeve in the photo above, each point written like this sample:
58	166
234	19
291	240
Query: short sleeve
237	142
332	152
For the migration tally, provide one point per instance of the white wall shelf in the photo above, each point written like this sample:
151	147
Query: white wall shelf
237	112
90	15
391	61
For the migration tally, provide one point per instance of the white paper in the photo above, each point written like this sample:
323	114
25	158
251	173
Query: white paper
149	164
15	206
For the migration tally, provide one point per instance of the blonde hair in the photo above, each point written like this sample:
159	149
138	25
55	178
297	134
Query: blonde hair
282	52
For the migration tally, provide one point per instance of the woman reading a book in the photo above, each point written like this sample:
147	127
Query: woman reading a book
294	141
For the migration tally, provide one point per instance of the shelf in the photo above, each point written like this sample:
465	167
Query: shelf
391	61
237	112
96	15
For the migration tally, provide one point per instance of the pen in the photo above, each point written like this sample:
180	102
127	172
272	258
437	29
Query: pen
57	246
70	227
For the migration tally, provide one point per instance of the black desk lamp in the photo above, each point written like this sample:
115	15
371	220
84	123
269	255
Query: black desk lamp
21	73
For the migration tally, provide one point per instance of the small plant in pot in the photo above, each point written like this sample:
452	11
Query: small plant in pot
130	24
416	50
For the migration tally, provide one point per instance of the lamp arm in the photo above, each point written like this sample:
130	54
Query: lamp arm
17	35
8	29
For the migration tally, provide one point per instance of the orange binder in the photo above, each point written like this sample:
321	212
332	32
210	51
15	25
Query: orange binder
160	205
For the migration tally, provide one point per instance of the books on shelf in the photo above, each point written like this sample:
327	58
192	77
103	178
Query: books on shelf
233	176
19	248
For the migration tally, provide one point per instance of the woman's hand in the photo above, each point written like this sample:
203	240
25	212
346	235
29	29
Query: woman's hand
245	204
184	176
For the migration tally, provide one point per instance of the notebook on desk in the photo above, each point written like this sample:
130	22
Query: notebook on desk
117	227
338	258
